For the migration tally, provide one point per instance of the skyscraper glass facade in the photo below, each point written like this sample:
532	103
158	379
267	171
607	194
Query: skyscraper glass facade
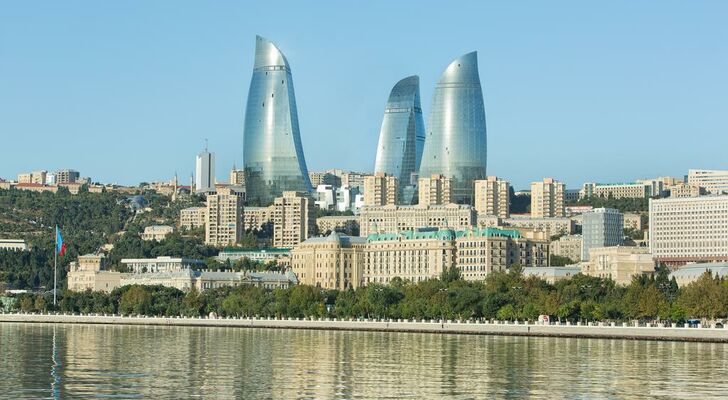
272	150
402	136
456	143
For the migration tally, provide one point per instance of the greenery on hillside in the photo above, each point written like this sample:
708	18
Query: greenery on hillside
87	221
623	205
520	204
503	295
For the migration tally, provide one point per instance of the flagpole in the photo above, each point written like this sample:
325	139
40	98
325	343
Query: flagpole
55	274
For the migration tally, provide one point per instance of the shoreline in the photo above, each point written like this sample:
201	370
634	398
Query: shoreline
593	330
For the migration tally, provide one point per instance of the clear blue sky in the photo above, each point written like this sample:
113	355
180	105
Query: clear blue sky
126	91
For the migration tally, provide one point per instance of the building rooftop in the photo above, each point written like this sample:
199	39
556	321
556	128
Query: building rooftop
695	270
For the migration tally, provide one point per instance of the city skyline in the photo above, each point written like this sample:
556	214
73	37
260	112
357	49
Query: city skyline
156	88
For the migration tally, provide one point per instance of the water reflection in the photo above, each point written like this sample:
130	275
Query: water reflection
129	362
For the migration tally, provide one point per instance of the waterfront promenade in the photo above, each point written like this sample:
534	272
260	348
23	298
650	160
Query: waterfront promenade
590	330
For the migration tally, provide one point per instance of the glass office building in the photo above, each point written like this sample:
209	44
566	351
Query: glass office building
455	144
272	150
403	133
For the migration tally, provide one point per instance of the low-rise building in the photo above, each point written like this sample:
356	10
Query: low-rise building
568	246
13	245
161	264
347	224
633	221
280	256
631	190
690	273
89	274
192	217
551	274
618	263
714	182
683	190
157	232
391	218
552	226
36	187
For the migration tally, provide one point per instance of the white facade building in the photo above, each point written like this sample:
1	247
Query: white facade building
205	172
714	182
692	229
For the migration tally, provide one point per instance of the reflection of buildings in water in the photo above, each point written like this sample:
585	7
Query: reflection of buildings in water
179	362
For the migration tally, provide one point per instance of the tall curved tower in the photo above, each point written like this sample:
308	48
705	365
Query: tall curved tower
403	132
272	151
456	143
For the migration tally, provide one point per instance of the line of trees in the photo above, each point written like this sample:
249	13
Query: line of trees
503	295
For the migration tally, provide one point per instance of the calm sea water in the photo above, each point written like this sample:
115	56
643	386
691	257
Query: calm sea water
82	361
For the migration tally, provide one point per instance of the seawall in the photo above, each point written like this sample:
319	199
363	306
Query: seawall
592	330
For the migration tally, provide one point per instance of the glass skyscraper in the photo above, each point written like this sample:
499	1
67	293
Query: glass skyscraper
456	144
403	132
272	151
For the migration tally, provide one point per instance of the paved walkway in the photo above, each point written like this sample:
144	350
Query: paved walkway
593	330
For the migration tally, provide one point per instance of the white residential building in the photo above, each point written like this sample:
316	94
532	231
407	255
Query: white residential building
715	182
692	229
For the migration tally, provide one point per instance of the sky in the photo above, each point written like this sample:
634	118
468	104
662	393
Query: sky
128	91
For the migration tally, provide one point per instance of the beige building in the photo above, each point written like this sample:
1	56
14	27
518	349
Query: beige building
568	246
547	199
714	182
36	187
414	255
66	176
347	224
89	273
237	177
434	190
380	189
390	219
224	218
339	261
192	217
551	274
254	218
156	232
331	262
551	226
492	197
480	251
633	221
324	178
293	219
632	190
685	230
683	190
37	177
618	263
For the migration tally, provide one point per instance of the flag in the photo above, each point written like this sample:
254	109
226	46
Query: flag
60	246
